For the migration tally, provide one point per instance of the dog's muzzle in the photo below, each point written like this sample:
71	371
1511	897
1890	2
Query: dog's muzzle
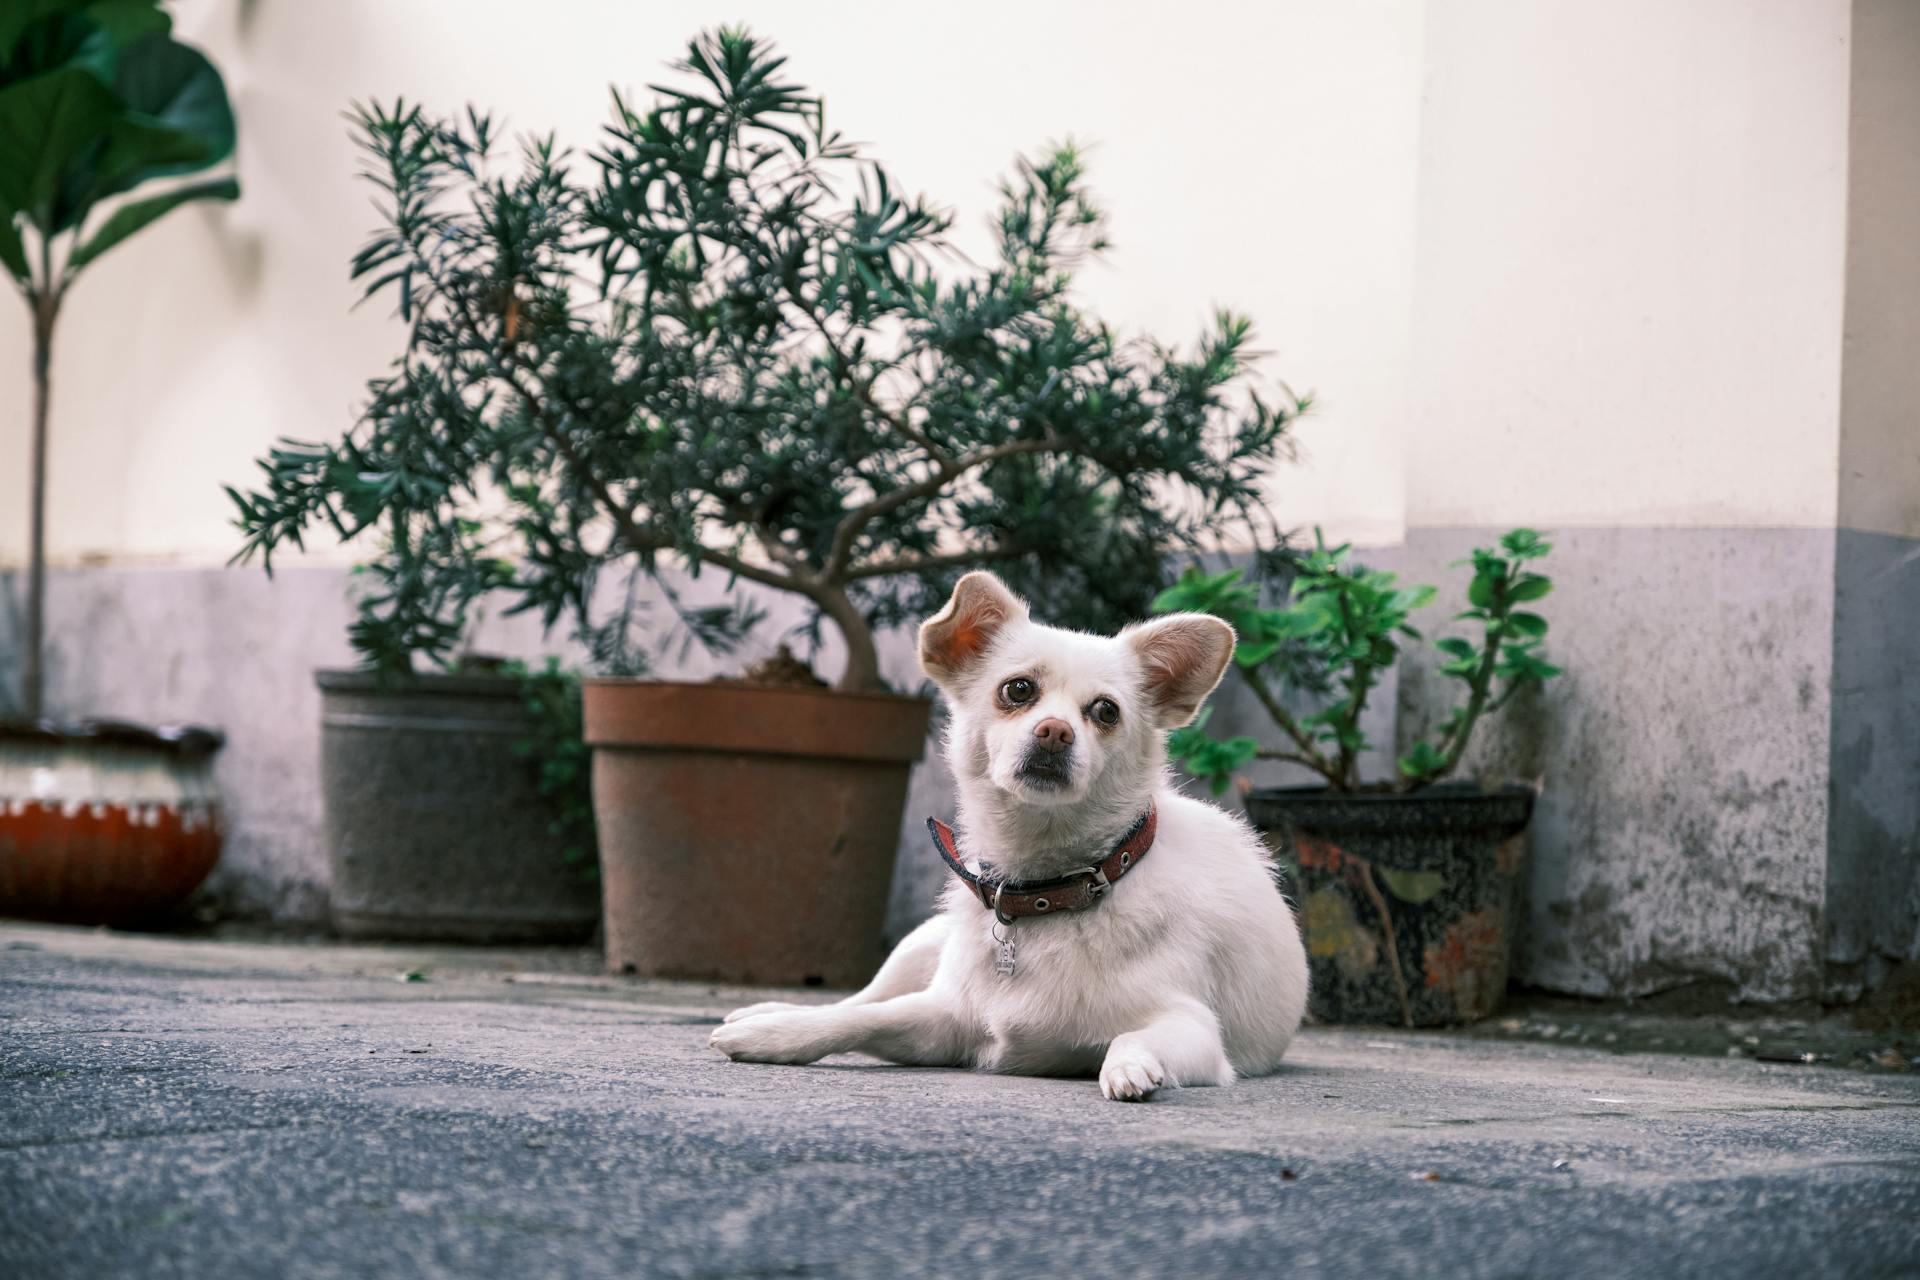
1046	768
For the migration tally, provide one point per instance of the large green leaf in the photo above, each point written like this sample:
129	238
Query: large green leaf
134	215
17	15
177	120
47	123
40	35
65	40
128	20
178	87
13	254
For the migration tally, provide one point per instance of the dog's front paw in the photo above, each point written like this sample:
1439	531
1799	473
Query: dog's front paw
1130	1074
765	1006
770	1037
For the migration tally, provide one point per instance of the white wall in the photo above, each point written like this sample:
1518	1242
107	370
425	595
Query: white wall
1629	289
1257	155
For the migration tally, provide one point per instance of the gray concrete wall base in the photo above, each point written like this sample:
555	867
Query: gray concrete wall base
1682	831
1727	767
1873	828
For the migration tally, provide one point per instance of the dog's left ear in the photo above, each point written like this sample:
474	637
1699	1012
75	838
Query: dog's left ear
1184	656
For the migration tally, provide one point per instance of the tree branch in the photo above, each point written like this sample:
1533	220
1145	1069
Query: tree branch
636	539
944	474
925	564
863	388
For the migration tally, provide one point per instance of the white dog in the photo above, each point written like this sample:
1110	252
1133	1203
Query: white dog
1110	923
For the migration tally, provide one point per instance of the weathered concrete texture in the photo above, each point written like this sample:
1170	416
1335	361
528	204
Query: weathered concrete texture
1873	837
1682	831
215	1109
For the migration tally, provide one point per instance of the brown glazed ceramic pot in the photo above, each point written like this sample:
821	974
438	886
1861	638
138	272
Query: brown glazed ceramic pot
103	822
748	832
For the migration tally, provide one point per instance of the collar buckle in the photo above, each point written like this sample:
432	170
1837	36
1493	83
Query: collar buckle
1100	883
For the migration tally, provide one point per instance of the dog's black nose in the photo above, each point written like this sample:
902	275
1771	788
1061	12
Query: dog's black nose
1054	736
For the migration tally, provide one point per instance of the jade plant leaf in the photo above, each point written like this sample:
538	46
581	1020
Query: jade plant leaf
1412	886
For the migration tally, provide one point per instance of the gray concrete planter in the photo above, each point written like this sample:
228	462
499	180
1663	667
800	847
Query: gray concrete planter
435	829
1405	901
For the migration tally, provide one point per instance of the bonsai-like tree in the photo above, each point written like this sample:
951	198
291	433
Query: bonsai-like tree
725	341
96	99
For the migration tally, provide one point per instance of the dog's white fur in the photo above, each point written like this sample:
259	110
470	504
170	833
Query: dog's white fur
1189	972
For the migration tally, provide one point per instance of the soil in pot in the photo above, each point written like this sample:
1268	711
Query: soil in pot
103	822
1405	901
436	829
748	832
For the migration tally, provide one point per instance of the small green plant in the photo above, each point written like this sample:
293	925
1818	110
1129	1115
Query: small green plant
1341	628
557	753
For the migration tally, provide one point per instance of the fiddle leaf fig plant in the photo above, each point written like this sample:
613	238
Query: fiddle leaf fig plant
98	101
1340	628
724	343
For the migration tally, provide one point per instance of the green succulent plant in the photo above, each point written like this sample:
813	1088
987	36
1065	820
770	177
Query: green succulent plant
1340	627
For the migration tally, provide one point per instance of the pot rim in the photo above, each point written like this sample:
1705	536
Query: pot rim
417	683
737	686
184	741
1457	807
1440	791
754	720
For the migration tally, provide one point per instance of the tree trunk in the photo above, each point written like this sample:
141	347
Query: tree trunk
862	672
32	669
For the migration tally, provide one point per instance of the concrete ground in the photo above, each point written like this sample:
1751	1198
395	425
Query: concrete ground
239	1109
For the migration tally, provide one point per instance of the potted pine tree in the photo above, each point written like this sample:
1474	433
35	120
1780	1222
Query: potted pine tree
102	112
718	346
1405	884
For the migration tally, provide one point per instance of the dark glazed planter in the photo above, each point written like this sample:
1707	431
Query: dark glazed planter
435	829
104	823
748	832
1405	901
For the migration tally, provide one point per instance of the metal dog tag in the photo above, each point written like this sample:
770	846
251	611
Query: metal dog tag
1004	960
1003	956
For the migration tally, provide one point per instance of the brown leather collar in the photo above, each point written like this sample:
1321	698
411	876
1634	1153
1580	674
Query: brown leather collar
1075	891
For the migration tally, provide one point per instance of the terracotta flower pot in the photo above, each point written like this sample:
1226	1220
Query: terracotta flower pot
436	829
102	822
1405	901
748	832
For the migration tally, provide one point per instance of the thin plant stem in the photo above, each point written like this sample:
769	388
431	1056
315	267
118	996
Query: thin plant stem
1386	928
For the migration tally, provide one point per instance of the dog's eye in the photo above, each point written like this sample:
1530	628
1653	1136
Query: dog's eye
1105	712
1019	691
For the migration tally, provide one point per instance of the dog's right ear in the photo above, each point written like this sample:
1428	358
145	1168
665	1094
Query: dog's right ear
953	639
